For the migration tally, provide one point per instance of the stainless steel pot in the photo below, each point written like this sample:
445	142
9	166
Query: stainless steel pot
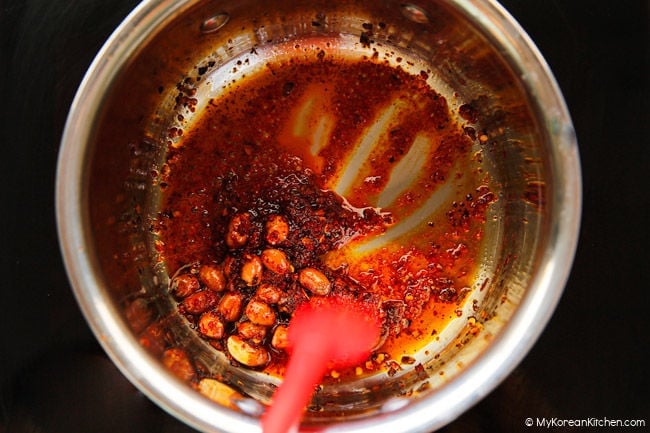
115	142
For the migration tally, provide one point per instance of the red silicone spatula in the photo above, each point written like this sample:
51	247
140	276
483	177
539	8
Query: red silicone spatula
323	334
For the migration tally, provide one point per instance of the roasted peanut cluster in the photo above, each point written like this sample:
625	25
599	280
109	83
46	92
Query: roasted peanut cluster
242	305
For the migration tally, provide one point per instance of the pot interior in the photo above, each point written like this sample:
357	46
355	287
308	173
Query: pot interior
197	57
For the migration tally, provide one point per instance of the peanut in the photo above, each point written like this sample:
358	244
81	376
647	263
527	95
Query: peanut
251	271
238	228
277	229
280	338
230	307
210	325
200	301
276	261
246	353
139	314
219	392
252	331
314	281
260	313
184	285
229	266
269	293
177	361
213	277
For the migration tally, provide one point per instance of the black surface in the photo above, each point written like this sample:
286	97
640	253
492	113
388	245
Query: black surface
589	362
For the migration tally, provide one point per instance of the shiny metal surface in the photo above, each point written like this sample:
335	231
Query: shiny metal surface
518	322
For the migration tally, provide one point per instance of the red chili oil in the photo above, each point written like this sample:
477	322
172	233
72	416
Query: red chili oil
283	142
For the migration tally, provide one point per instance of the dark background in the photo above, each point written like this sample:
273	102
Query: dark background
589	362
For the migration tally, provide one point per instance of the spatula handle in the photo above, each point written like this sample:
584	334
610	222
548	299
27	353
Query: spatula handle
304	372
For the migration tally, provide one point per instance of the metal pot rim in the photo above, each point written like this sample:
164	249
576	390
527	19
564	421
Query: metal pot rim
441	407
